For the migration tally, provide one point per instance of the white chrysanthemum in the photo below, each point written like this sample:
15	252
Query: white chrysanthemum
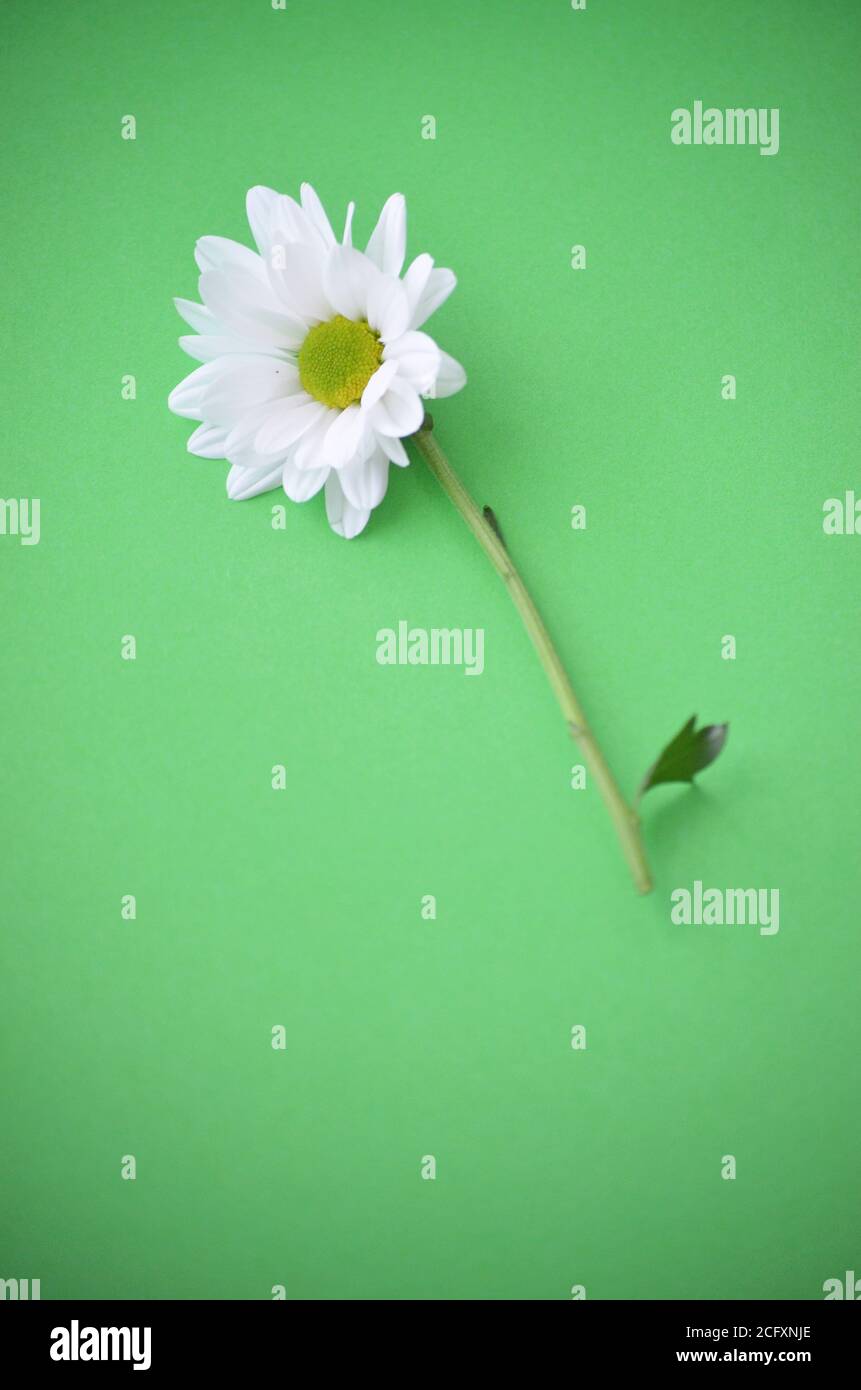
313	365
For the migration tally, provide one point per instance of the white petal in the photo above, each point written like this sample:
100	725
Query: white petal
220	253
415	280
276	219
347	279
347	238
400	412
388	243
450	377
243	483
221	391
260	206
440	284
344	437
344	519
291	223
364	483
379	384
205	348
393	449
287	421
417	357
208	442
302	483
308	453
197	316
296	272
186	398
250	308
241	445
388	309
316	214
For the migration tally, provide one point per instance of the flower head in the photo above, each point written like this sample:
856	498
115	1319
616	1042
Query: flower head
313	365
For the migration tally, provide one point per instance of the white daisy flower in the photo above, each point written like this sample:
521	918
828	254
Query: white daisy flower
313	369
313	365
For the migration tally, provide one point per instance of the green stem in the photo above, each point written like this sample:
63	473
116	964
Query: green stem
623	816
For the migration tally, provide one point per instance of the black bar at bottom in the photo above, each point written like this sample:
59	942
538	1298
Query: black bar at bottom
219	1337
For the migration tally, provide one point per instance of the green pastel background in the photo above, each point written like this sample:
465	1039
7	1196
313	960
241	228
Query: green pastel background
257	646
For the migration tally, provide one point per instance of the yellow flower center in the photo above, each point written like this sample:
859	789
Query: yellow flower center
337	360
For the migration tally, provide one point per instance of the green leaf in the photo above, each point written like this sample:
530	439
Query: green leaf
688	753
